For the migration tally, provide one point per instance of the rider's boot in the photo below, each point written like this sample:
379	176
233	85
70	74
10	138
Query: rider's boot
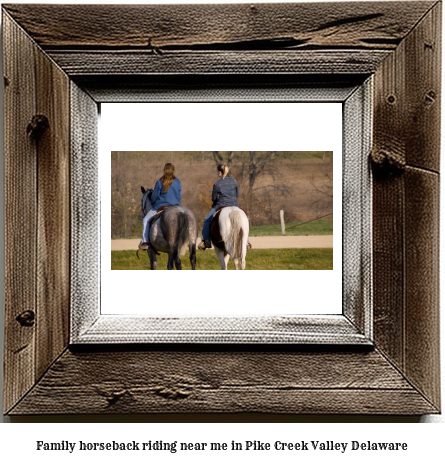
207	244
143	245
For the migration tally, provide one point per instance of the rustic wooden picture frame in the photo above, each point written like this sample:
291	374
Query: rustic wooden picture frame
75	56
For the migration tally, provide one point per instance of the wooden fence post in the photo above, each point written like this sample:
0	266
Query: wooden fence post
282	222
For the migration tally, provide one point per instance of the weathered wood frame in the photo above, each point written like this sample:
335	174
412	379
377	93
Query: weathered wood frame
100	50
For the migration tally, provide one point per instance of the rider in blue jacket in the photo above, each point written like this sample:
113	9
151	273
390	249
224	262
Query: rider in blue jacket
225	194
167	191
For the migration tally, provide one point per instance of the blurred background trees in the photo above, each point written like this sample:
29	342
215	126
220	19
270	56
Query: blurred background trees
300	183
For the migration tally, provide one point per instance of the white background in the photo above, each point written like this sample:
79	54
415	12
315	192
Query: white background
220	126
17	441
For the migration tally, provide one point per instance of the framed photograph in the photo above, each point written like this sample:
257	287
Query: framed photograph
335	118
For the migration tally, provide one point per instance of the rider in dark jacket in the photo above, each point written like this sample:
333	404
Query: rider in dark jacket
225	193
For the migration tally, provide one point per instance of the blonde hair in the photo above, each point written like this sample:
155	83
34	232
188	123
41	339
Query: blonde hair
169	176
224	170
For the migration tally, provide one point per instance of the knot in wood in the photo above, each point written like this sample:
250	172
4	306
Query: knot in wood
114	397
37	126
173	393
26	318
387	163
112	394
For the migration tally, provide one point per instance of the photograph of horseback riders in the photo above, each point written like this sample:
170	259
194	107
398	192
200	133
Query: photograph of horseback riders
219	210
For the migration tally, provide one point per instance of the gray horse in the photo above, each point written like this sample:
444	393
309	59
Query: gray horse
173	232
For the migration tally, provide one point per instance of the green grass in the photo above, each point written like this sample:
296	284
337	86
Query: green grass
314	228
261	259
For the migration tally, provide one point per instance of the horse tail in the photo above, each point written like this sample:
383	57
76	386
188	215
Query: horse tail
236	234
182	234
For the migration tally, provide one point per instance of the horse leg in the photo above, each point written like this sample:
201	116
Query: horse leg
235	262
243	258
153	259
192	249
178	263
244	252
170	262
222	258
176	258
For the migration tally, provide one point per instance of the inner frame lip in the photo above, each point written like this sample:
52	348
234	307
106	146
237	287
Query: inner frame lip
299	329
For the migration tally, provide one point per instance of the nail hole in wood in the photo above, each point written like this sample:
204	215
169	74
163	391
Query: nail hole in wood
430	97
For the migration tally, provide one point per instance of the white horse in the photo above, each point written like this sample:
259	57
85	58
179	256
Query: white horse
229	236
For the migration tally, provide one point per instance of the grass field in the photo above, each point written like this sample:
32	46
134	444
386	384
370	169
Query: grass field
264	259
314	228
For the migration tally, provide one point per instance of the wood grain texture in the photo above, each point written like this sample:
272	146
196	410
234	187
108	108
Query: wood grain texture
422	364
388	268
20	212
130	63
223	382
357	209
85	210
89	327
406	132
423	91
388	198
408	97
37	218
53	253
421	213
252	39
342	25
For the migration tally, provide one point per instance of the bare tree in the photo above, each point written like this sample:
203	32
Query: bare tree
324	191
219	158
124	205
248	169
257	165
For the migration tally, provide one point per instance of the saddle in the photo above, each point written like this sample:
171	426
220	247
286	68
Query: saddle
215	234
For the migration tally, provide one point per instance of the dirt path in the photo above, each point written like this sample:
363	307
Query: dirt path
261	242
